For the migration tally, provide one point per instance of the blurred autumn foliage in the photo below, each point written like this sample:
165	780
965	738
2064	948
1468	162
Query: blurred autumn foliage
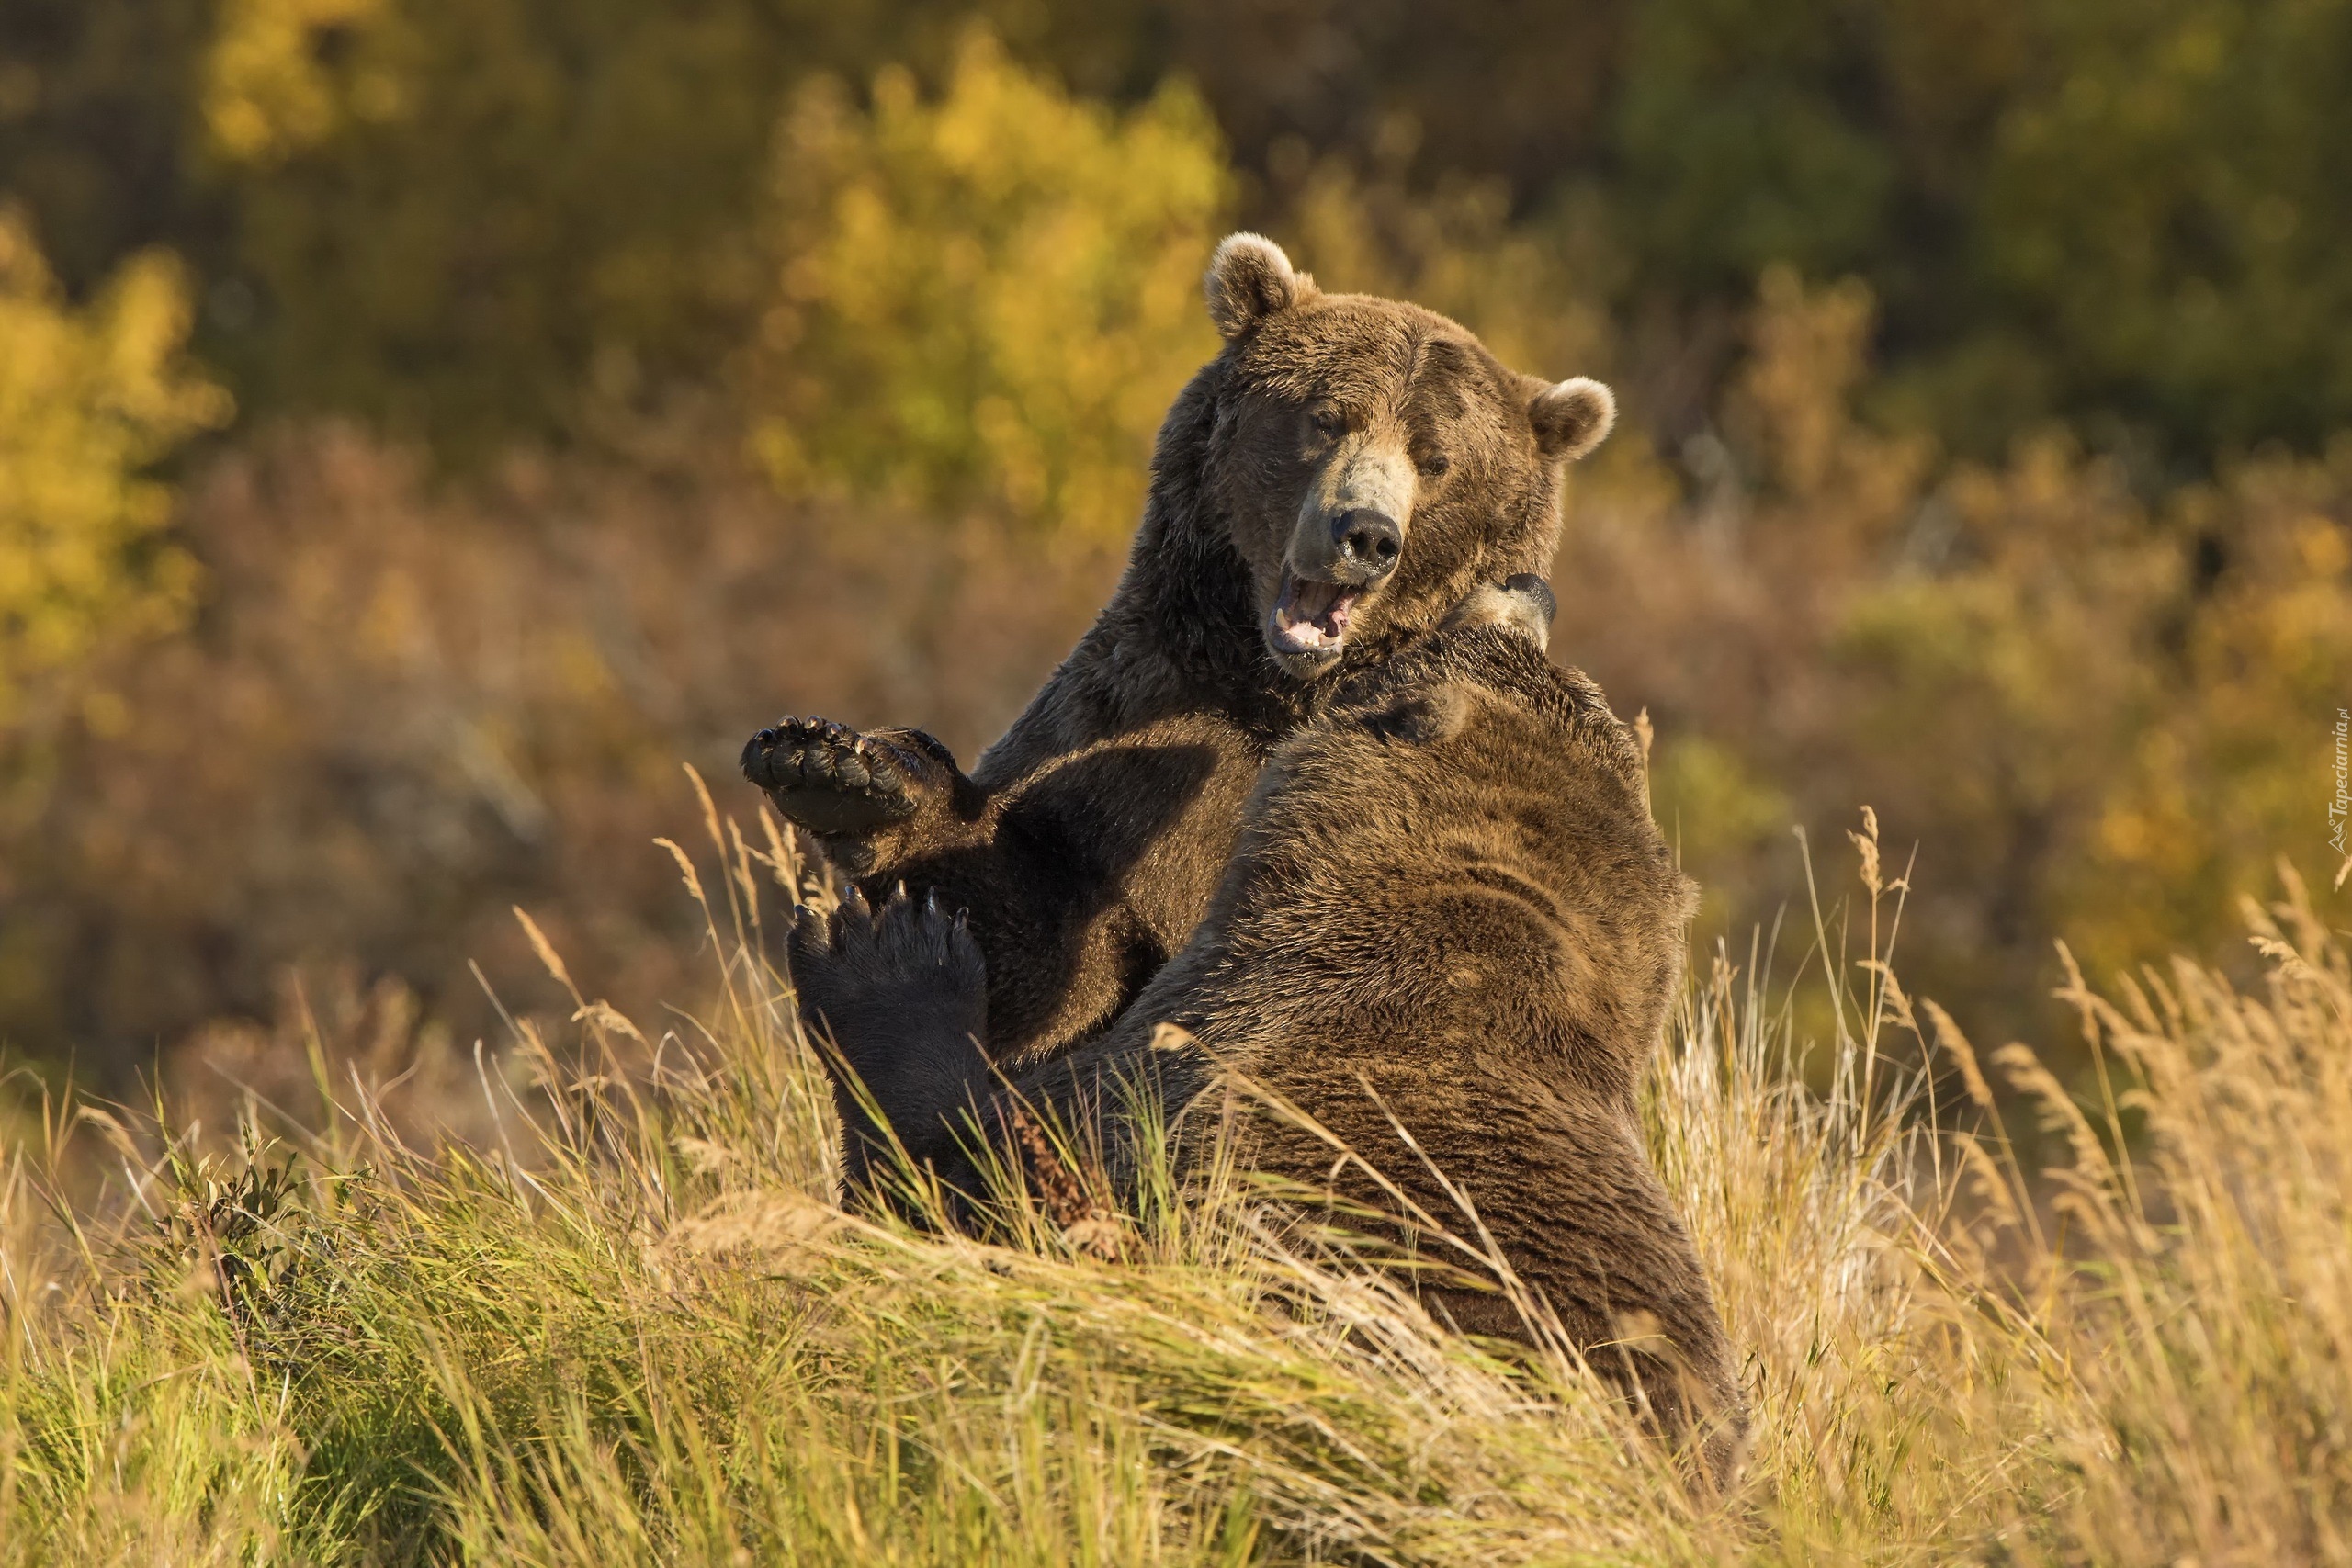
89	399
609	378
983	300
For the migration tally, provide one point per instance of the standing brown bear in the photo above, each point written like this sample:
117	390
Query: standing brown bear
1324	489
1450	916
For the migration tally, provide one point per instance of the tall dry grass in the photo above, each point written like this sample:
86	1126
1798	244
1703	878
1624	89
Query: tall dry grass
626	1324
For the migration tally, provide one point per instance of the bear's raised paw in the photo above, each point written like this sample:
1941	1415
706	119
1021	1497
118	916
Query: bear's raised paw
831	780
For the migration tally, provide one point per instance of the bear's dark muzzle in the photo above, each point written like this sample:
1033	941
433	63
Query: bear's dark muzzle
1366	546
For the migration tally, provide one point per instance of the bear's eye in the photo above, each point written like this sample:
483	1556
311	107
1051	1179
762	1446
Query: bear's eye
1434	465
1329	423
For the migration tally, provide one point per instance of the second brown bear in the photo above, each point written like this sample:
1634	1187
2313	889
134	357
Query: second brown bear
1450	933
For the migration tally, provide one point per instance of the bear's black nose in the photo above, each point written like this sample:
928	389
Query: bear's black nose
1368	544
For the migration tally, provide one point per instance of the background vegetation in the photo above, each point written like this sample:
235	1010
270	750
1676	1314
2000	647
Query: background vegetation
424	423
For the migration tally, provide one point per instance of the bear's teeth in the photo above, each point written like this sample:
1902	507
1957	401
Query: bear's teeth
1299	634
1311	613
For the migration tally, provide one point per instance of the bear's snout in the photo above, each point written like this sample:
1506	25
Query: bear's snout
1351	522
1366	544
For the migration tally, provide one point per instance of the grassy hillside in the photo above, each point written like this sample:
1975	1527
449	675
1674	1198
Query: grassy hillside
624	1325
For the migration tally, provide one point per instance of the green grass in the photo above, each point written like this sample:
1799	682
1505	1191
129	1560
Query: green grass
632	1329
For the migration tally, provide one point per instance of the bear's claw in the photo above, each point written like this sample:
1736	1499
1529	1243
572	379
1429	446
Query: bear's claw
903	942
900	992
828	778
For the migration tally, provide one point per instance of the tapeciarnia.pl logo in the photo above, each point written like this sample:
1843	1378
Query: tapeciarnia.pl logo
2338	808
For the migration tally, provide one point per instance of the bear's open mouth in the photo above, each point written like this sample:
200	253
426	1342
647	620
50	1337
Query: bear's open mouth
1309	621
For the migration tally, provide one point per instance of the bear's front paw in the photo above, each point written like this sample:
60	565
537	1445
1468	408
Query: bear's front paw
833	781
901	991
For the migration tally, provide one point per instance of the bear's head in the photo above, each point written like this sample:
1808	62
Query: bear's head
1371	460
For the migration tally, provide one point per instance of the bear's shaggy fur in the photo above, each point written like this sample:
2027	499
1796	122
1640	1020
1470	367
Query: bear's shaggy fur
1341	473
1449	917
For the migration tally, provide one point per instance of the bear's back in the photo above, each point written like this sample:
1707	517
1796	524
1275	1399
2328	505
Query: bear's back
1458	861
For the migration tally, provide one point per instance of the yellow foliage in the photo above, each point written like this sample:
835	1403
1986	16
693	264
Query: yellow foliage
2235	769
988	299
271	82
88	400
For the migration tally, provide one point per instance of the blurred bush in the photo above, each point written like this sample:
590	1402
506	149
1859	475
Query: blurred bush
2087	713
406	708
406	704
2167	214
90	401
986	301
473	220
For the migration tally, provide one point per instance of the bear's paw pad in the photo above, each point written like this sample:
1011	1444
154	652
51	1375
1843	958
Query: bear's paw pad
830	779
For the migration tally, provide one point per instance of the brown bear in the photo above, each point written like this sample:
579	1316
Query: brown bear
1341	473
1449	917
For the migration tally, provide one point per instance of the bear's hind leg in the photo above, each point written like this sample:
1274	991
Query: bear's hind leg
901	994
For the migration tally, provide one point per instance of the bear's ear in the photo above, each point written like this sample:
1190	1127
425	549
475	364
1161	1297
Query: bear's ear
1249	279
1571	417
1523	604
1426	717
